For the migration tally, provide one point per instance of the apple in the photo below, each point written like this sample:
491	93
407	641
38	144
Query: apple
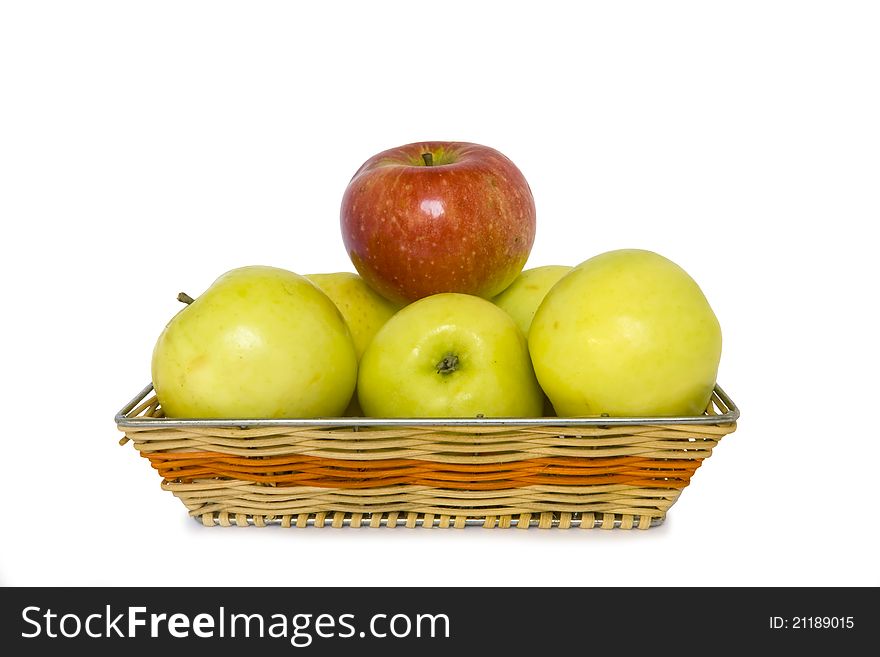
449	355
439	216
522	297
261	342
626	333
364	310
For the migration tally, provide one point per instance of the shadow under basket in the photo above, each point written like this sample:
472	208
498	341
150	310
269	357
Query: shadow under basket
492	472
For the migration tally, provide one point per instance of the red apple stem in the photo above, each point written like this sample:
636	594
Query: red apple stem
183	297
428	158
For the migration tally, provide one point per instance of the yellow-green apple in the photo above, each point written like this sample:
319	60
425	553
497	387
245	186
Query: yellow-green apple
626	333
522	297
449	355
440	216
364	310
261	342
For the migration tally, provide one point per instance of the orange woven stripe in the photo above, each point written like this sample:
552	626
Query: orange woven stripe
187	458
300	470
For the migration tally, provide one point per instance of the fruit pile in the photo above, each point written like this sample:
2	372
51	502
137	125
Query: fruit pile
441	319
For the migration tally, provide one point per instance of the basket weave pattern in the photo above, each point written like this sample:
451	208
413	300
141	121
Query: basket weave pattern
447	476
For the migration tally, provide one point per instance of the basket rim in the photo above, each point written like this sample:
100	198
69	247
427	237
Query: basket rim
123	420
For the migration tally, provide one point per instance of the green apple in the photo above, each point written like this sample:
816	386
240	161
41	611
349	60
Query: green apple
626	333
449	355
261	342
365	310
522	297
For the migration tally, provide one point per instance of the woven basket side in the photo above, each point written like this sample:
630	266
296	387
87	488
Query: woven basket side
460	446
450	475
239	498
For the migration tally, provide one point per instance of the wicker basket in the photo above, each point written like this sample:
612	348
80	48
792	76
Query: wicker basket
494	472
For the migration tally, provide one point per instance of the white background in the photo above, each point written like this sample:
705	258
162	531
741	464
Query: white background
146	148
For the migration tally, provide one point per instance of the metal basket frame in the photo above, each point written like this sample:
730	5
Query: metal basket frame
123	419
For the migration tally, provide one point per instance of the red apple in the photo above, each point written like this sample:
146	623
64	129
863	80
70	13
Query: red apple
439	216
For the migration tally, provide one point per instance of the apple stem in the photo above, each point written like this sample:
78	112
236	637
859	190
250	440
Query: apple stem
448	364
428	158
183	297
